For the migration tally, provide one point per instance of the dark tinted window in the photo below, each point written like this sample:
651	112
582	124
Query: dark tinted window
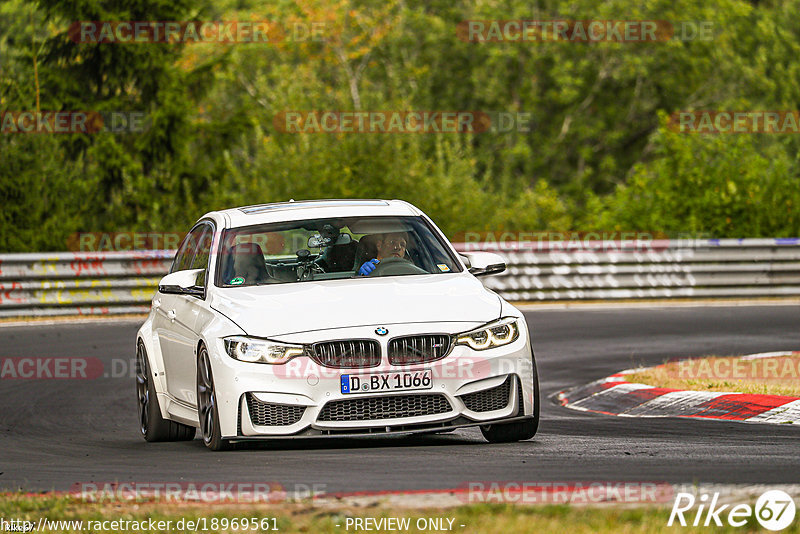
201	256
330	249
187	249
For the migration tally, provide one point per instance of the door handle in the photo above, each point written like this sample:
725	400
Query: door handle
171	315
156	303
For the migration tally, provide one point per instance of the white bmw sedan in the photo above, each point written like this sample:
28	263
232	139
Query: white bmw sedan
330	318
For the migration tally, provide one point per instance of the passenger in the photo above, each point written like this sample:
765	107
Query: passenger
391	246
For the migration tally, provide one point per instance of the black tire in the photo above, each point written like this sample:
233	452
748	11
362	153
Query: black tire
207	412
519	431
152	426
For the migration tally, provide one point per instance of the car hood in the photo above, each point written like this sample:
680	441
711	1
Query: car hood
279	309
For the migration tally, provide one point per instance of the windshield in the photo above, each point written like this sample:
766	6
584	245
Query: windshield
331	249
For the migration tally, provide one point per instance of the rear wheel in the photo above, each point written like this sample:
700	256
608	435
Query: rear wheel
207	411
152	426
518	431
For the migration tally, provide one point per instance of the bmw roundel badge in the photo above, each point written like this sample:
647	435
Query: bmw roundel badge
381	331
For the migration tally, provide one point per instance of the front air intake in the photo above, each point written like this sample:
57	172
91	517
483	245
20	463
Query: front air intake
375	408
269	414
489	400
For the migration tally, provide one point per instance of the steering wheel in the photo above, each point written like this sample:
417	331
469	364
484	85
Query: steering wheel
394	266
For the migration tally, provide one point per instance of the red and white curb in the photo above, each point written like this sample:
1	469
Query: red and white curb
614	395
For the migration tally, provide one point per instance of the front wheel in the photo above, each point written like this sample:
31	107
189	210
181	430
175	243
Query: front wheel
518	431
152	426
207	412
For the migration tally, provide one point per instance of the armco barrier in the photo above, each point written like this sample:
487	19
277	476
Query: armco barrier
717	268
100	283
78	283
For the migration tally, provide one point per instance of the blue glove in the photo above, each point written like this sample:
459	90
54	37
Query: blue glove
368	267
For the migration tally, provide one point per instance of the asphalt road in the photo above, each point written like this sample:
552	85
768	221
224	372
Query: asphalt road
55	433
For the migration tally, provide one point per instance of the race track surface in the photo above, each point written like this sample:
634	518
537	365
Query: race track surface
55	433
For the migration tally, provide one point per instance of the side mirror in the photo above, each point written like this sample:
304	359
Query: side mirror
483	263
182	283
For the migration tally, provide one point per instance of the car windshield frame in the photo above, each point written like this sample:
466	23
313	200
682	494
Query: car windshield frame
429	246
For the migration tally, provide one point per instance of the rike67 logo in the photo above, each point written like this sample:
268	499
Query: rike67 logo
774	510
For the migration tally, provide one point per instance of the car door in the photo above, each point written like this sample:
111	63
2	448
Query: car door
187	318
174	322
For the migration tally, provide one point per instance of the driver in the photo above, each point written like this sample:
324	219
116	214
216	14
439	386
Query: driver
391	246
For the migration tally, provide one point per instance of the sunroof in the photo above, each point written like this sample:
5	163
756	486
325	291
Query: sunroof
310	204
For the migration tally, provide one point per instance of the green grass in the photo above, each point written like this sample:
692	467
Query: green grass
763	376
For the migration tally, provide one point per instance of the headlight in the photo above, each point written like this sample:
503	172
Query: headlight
494	334
261	350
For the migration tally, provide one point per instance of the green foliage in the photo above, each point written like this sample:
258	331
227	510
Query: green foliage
42	201
723	185
598	155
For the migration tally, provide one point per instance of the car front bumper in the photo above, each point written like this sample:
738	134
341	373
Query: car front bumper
304	399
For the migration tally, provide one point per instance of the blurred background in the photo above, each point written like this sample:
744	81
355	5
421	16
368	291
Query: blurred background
598	156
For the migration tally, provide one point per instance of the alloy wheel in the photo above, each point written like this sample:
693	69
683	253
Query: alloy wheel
205	396
142	393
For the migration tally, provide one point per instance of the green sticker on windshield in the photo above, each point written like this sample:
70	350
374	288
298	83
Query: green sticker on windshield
237	281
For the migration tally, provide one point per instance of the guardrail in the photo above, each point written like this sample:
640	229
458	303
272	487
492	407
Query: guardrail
76	283
600	270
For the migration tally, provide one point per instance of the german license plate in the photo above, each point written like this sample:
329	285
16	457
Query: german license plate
379	382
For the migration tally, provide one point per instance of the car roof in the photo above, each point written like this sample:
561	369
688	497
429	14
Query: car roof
311	209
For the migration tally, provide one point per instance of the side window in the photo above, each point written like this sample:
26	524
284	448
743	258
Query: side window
183	259
201	257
